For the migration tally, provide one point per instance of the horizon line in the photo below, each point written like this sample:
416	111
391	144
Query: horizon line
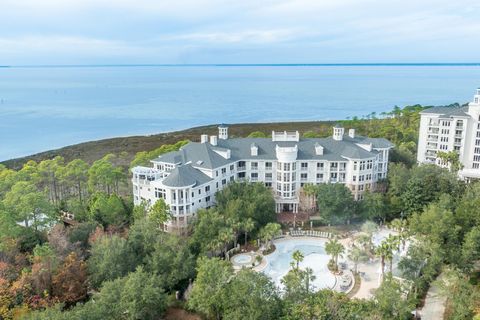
359	64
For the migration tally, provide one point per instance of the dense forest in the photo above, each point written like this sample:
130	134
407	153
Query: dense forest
114	262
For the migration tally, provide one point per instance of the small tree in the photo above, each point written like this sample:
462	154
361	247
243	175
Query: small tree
298	257
247	226
452	158
268	232
160	213
357	255
335	249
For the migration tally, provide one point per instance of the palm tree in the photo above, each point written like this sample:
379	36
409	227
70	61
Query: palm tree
236	226
297	256
224	237
382	251
364	241
357	255
309	277
394	243
248	225
268	232
308	197
335	249
401	226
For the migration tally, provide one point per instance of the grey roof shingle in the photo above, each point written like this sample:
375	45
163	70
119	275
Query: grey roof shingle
184	176
203	155
447	111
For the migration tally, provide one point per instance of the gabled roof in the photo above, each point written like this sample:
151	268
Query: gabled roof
200	154
203	155
185	176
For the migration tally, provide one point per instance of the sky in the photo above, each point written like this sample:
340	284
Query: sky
34	32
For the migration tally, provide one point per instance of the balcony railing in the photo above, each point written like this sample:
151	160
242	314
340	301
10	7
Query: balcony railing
241	168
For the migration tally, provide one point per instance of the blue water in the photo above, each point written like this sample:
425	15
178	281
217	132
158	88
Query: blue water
49	107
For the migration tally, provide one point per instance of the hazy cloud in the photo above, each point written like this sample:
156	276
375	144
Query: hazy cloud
249	31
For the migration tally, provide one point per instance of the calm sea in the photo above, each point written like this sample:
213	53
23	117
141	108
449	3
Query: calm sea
42	108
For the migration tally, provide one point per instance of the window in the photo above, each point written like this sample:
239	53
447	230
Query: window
224	170
303	176
354	178
304	165
207	199
319	176
369	164
232	167
254	176
207	188
254	165
320	165
268	184
268	165
224	182
199	191
160	193
268	176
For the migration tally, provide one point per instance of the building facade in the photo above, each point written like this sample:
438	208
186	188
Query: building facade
452	129
188	179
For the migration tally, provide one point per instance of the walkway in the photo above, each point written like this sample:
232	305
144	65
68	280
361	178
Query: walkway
434	307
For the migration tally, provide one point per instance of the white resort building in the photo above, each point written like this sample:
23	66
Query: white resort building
452	129
189	178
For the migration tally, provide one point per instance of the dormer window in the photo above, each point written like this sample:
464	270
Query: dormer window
253	150
318	149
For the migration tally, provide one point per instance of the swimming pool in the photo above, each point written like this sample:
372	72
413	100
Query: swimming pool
315	257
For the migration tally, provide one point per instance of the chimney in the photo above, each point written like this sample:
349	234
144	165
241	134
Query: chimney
351	133
213	140
338	133
204	138
223	131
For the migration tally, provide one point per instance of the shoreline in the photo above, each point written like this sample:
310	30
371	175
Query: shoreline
96	149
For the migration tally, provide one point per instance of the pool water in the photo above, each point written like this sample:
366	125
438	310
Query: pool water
315	257
243	259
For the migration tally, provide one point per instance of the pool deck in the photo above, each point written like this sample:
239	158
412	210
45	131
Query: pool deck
369	271
260	267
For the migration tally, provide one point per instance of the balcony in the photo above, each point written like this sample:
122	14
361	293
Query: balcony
241	168
433	130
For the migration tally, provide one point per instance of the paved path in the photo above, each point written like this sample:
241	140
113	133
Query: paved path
434	307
